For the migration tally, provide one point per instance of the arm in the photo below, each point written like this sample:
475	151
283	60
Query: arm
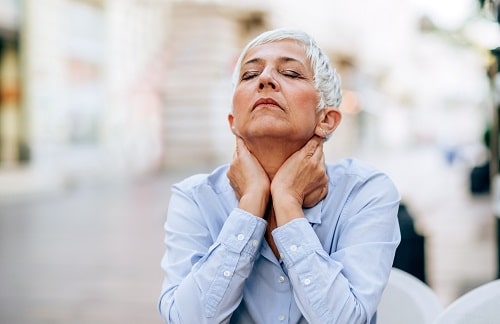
205	276
344	286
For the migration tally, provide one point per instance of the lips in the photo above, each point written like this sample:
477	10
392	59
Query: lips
266	102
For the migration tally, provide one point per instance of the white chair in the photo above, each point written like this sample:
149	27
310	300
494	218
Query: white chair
406	299
479	306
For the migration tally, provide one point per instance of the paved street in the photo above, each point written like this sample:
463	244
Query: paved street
89	256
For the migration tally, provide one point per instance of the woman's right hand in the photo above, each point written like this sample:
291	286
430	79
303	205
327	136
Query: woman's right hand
249	180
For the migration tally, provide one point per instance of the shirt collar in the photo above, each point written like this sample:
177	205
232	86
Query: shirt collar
313	214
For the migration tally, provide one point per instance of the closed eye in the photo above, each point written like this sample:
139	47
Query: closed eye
291	74
249	75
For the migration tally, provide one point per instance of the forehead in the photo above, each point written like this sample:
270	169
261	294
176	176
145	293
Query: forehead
278	50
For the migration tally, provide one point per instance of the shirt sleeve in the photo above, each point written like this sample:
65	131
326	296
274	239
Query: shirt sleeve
344	286
205	277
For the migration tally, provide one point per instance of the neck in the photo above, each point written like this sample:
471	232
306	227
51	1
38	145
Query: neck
272	154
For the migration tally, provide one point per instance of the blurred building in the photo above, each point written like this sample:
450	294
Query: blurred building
12	143
116	89
99	90
205	40
94	108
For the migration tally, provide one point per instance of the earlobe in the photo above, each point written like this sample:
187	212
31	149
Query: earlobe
329	120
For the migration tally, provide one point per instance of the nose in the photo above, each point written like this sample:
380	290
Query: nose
267	79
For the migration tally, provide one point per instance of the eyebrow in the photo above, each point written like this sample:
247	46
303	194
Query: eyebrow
283	59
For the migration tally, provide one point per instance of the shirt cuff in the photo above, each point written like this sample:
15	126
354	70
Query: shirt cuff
243	232
295	241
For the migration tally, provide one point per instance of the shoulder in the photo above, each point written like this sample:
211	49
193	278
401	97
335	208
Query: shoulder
216	180
354	173
352	167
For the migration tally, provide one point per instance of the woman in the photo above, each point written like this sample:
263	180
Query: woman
278	236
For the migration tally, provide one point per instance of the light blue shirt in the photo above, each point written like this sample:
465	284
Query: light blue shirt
333	267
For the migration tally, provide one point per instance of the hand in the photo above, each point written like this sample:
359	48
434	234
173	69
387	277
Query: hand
300	182
249	180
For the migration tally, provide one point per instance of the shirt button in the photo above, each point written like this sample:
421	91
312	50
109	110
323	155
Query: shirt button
255	243
241	237
281	279
227	273
307	282
282	256
293	248
281	318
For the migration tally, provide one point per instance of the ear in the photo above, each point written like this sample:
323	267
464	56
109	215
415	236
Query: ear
329	119
230	120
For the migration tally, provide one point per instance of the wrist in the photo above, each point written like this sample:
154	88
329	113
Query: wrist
286	209
254	203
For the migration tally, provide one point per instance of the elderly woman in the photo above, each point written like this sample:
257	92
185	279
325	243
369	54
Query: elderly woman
278	236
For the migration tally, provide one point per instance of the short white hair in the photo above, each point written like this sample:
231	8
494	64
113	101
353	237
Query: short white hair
326	79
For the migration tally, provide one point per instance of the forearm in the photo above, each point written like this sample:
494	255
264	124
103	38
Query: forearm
212	288
324	289
201	296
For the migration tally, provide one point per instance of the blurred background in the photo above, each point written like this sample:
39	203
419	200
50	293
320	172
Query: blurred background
105	103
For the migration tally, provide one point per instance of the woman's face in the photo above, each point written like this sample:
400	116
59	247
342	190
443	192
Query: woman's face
275	96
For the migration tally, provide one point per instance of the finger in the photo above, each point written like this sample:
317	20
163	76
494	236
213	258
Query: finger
241	147
317	139
240	143
315	143
318	151
310	147
236	149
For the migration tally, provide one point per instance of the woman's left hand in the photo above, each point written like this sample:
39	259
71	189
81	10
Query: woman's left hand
300	182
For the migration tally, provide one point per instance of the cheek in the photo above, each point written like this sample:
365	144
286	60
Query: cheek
307	106
306	94
308	102
236	109
237	99
241	99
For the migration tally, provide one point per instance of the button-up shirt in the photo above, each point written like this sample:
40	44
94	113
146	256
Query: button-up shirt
334	263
